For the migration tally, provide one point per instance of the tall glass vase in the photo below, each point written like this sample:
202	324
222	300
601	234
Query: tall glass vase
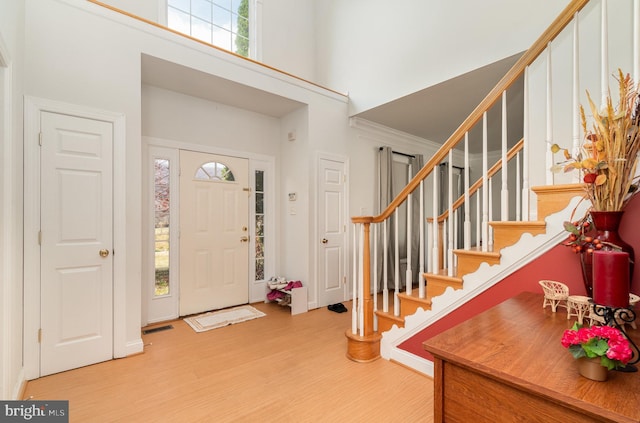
606	225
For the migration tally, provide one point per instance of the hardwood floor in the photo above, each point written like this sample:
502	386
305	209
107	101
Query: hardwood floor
278	368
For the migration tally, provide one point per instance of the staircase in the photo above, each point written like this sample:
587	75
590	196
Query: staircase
530	222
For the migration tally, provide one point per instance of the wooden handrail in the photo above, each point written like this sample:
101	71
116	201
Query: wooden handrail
494	95
476	186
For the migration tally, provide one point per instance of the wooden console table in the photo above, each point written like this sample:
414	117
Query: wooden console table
507	364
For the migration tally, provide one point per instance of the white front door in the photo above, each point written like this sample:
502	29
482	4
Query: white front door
76	242
332	232
214	234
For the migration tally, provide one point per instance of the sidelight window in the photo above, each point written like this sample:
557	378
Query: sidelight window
161	227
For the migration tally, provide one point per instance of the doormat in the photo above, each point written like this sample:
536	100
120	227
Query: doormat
157	329
218	319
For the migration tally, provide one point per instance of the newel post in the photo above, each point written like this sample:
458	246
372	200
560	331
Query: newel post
363	345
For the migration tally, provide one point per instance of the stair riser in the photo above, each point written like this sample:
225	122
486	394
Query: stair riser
505	237
469	264
385	324
409	306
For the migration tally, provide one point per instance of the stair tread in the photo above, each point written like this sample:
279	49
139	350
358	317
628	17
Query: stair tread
516	223
414	297
389	315
475	251
578	187
443	274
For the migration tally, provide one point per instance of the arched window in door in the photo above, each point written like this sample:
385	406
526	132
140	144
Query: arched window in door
214	171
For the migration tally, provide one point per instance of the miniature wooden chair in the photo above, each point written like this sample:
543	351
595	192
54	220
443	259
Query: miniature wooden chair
555	294
580	307
593	317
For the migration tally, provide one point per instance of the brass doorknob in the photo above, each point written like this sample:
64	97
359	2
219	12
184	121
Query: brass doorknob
244	239
325	240
104	253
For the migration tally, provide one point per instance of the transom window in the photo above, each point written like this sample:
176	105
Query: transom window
223	23
214	171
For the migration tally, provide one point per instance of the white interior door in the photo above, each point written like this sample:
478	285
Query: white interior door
76	242
214	237
332	232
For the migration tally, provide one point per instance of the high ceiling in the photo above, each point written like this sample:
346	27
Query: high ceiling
436	112
433	113
172	76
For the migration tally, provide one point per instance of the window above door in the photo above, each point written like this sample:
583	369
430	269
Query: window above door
223	23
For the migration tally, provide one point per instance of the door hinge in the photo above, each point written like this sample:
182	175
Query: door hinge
39	336
40	139
344	281
39	237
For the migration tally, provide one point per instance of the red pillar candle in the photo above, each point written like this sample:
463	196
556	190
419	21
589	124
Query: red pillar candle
611	278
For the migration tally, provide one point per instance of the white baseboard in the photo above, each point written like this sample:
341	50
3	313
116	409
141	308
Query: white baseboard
412	361
134	347
20	386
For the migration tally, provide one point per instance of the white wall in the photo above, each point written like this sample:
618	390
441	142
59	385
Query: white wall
80	53
378	50
148	9
11	311
178	117
288	36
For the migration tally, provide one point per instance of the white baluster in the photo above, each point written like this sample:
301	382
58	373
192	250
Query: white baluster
525	150
361	283
575	116
456	230
450	218
504	193
489	227
467	206
435	254
445	244
636	41
385	268
549	128
421	269
375	276
396	302
636	49
409	274
430	245
479	195
518	192
356	272
485	191
604	52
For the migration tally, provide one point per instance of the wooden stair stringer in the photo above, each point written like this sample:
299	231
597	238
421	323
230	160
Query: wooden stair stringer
528	248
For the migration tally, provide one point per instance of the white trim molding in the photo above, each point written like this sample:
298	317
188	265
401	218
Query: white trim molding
33	107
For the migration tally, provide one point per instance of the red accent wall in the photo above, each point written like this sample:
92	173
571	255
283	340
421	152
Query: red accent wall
557	264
